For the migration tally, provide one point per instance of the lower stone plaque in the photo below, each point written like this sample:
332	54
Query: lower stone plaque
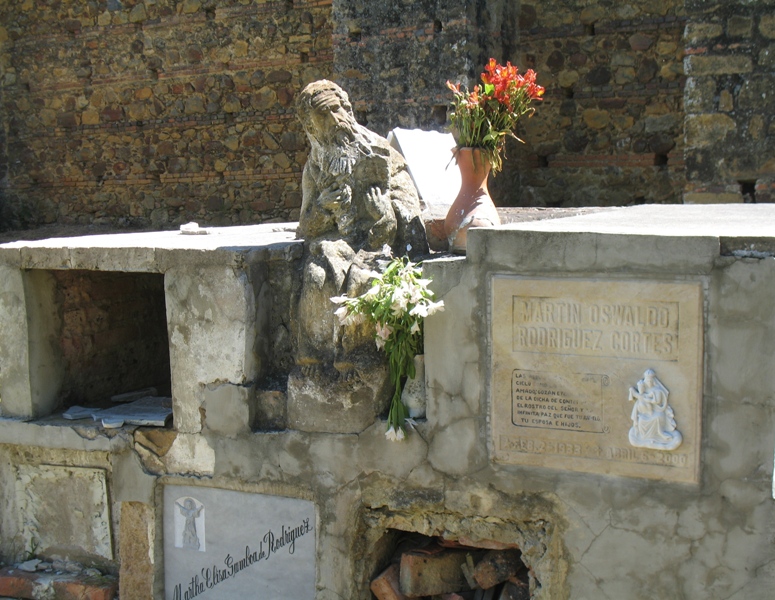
597	376
221	544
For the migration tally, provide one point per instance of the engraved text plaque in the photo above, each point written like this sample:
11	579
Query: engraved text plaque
566	354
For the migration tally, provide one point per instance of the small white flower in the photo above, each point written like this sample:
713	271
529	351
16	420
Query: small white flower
421	310
339	299
383	331
387	250
434	307
415	328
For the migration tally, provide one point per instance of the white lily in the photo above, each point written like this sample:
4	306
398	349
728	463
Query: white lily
395	435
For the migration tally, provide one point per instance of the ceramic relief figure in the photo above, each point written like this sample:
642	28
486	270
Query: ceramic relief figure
653	420
359	204
190	512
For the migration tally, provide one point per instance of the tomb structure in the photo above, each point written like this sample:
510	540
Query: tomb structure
599	399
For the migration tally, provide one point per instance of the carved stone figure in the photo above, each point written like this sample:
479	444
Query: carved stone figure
653	420
357	198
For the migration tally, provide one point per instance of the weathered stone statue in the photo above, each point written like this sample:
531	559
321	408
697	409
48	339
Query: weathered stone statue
357	200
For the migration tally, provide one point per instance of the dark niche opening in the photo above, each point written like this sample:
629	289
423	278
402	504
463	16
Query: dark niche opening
748	190
428	568
112	336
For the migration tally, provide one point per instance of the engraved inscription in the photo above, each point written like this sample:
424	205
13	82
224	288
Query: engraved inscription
572	402
514	444
638	329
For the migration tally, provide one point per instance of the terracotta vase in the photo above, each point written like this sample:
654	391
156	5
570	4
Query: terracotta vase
473	206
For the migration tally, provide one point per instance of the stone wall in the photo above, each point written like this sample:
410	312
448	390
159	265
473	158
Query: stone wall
610	129
730	134
395	57
158	113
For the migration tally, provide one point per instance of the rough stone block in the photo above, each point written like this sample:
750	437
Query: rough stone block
426	575
271	410
319	404
718	65
137	528
696	32
767	26
708	129
228	408
739	26
386	586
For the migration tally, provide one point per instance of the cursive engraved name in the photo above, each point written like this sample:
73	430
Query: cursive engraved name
271	543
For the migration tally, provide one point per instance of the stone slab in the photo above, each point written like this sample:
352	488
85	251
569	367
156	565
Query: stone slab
151	251
429	155
65	511
565	355
221	544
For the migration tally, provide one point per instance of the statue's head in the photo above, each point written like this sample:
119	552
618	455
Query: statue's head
325	112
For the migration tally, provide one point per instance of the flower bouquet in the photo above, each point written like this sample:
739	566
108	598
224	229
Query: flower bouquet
396	303
484	117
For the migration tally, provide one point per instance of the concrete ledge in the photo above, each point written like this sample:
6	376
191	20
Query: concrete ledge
60	433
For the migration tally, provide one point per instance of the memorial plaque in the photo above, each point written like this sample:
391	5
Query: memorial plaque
597	376
221	544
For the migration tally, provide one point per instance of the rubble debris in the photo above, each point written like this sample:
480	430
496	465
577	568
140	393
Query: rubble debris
429	569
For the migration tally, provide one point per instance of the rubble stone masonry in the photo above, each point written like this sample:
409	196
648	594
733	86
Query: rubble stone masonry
157	112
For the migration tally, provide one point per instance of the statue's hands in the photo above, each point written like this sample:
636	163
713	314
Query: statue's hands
335	198
379	208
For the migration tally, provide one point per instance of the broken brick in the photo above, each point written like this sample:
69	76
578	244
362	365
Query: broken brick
428	575
387	586
19	584
15	583
515	590
497	566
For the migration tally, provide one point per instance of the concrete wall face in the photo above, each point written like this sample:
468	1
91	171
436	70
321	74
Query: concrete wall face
665	533
583	533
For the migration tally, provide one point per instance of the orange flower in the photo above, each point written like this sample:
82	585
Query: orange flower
484	117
